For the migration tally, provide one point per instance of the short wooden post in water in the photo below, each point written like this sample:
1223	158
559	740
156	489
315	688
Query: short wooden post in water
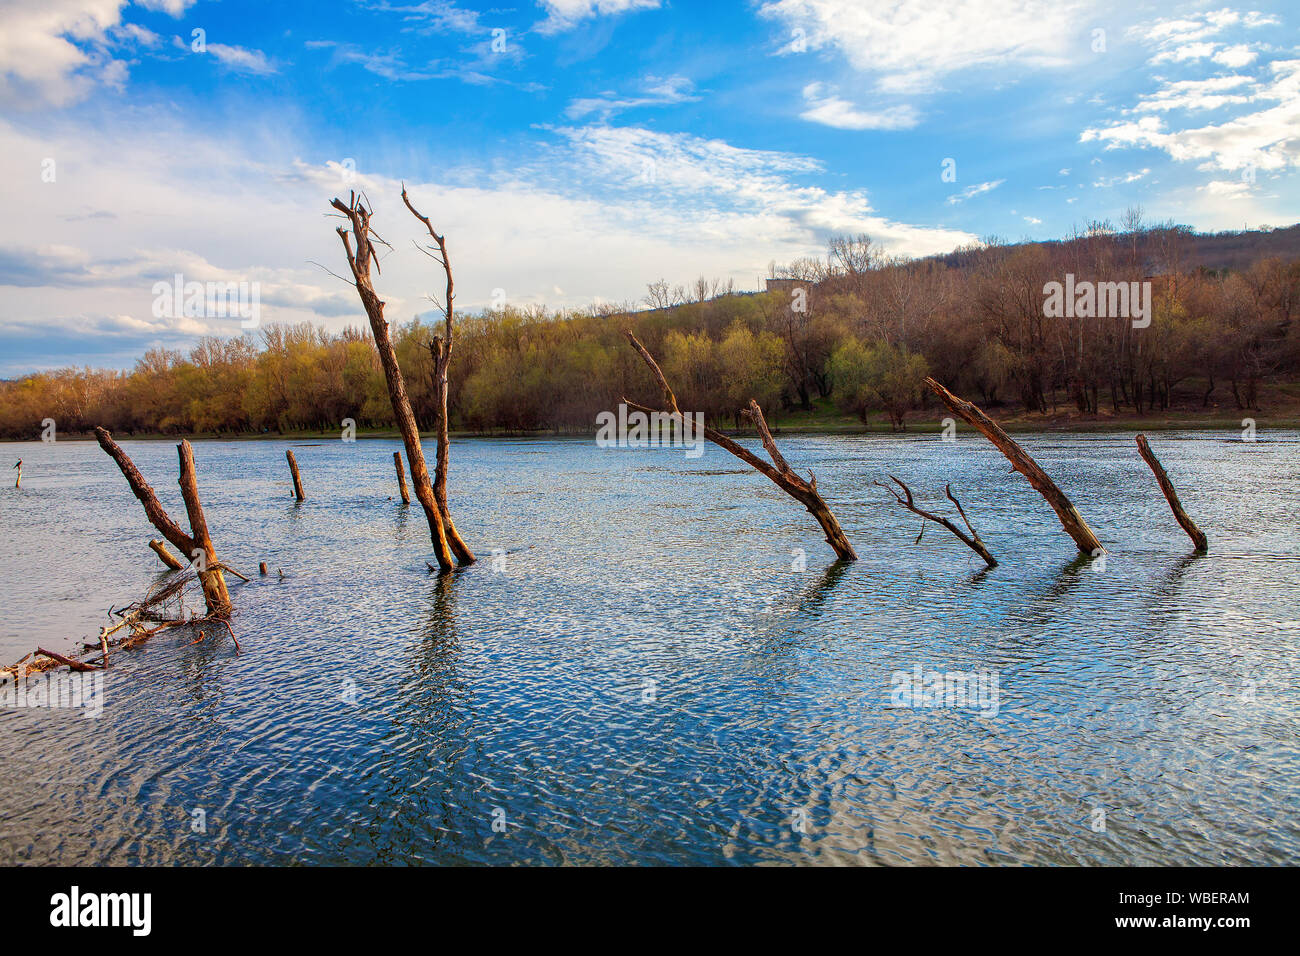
19	466
401	477
293	470
1167	486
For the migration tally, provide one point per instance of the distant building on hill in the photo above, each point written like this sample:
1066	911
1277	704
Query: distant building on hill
781	285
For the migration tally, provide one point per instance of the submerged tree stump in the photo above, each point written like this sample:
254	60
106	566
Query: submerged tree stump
1071	520
401	477
19	466
297	478
1167	487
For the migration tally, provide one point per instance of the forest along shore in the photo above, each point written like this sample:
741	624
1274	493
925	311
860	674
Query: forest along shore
824	345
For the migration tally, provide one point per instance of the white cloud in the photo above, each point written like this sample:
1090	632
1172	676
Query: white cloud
48	49
566	14
911	46
1236	189
831	110
173	7
54	52
1123	179
657	91
241	60
1235	56
970	192
142	214
1196	36
1195	95
1268	138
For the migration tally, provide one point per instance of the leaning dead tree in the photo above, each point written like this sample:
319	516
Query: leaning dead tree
197	545
359	246
1071	520
440	350
1196	534
971	541
782	475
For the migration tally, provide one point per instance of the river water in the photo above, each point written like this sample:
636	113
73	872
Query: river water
664	664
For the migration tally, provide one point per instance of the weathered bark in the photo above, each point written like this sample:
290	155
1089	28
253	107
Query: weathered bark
1167	487
783	476
440	350
210	576
401	477
973	541
358	215
214	584
1071	520
164	555
297	478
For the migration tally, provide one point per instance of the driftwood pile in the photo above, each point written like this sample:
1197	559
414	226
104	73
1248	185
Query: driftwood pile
162	608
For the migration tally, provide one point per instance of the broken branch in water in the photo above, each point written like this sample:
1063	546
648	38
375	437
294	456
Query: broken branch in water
165	556
1167	487
972	541
779	472
1071	520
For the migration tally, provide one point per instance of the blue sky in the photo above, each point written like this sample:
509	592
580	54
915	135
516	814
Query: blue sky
574	150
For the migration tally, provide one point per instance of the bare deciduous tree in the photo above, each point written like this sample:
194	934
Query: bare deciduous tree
360	260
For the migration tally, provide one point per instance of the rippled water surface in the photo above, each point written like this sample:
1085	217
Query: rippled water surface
652	677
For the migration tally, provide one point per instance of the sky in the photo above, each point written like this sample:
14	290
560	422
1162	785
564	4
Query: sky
574	150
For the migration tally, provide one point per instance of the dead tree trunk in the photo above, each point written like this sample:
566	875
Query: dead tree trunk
401	477
293	470
19	466
358	215
198	545
164	555
1196	534
783	476
973	541
1071	520
440	349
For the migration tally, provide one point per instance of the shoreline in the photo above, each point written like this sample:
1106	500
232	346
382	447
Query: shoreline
1014	425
